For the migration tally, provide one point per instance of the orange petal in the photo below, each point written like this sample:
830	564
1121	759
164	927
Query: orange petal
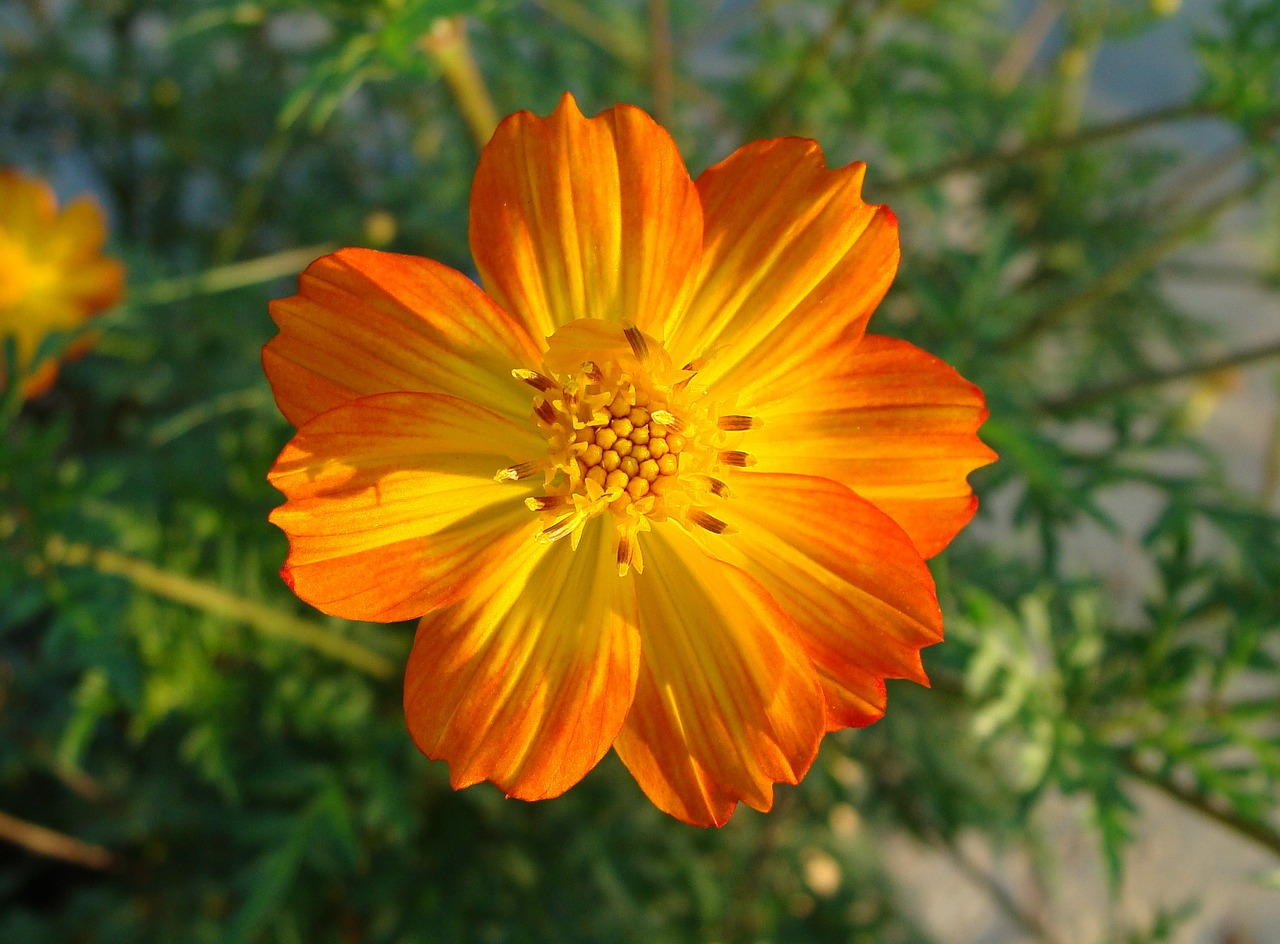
851	579
392	505
27	208
584	218
526	681
727	703
367	322
792	259
894	423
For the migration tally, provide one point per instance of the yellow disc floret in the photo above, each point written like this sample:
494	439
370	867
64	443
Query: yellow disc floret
628	436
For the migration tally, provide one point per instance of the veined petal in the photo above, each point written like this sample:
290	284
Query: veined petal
727	703
392	505
894	423
851	579
584	218
792	260
526	681
366	322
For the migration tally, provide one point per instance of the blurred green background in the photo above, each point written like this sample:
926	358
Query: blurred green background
1088	200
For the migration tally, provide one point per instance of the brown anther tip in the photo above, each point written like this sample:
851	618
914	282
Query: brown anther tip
710	522
736	422
639	344
533	378
517	472
545	411
737	458
545	502
718	488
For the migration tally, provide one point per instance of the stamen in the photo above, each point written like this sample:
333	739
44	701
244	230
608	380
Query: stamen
546	412
534	379
639	345
735	422
626	548
718	488
710	522
669	420
737	458
546	502
558	530
522	471
592	370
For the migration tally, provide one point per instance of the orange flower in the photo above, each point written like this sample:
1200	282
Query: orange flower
655	490
52	272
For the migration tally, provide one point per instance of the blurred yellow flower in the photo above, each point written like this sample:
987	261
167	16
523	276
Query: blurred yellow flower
52	272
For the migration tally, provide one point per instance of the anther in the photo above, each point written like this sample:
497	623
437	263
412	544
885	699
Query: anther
546	502
737	458
558	530
710	522
669	420
522	471
735	422
546	412
534	379
592	370
639	344
625	551
718	488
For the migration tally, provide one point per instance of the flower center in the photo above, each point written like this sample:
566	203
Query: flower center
628	435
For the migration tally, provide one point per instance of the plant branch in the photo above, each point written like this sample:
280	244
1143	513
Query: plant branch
813	57
1122	274
214	599
661	63
1155	378
52	844
1034	150
225	278
1258	832
446	43
1027	921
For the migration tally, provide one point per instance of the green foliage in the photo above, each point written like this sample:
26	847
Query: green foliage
252	788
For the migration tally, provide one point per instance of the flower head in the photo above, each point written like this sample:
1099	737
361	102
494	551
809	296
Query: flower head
653	488
52	272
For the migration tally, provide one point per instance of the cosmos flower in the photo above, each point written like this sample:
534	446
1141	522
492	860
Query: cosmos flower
652	488
52	272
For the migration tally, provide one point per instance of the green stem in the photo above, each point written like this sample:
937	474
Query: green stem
1131	268
225	278
1084	398
213	599
813	57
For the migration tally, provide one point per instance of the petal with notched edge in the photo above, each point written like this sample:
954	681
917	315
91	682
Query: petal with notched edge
792	260
892	422
366	322
392	505
859	592
526	681
727	703
584	218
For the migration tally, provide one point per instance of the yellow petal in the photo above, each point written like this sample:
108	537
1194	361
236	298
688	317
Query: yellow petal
727	704
860	594
584	218
894	423
366	322
792	260
392	506
526	681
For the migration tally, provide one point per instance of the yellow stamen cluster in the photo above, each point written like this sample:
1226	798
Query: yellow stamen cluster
625	436
627	452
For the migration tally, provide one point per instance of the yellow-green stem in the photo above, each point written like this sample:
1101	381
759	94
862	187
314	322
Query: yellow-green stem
214	599
224	278
447	44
